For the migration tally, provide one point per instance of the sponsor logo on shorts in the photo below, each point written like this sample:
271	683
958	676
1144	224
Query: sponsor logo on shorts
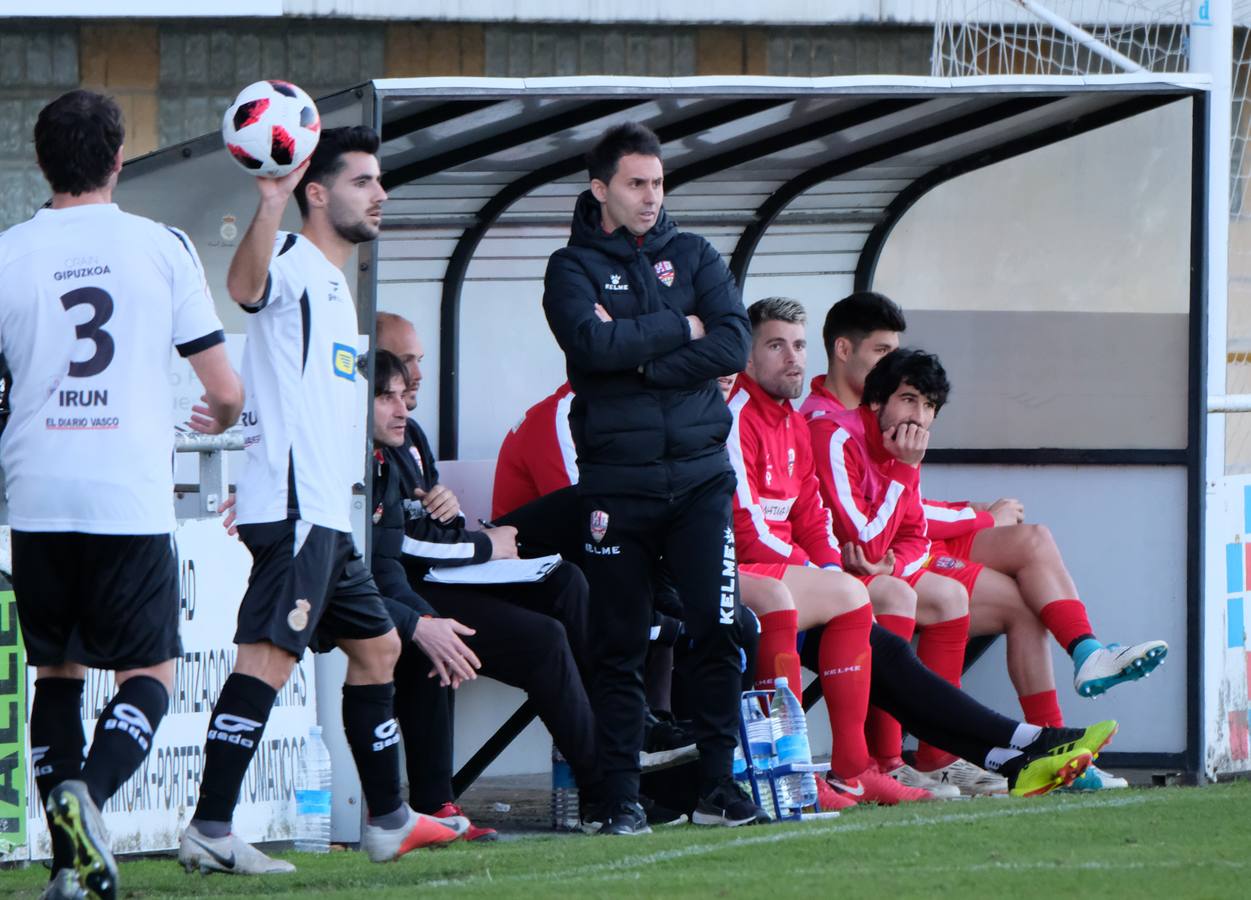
231	729
345	361
949	563
599	525
664	271
130	720
387	734
297	619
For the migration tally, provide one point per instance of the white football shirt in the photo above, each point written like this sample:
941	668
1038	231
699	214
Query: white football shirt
303	393
91	301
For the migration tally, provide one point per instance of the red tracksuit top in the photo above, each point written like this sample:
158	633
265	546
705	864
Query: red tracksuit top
778	513
537	456
944	519
874	497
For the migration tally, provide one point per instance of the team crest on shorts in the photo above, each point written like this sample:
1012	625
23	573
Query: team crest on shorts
599	525
948	562
664	271
297	619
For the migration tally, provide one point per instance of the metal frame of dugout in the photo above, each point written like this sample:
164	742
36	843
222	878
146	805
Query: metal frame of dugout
507	140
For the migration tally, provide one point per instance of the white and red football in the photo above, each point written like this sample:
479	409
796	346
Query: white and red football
271	128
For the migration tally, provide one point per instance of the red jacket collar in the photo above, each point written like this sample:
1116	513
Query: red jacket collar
873	435
818	389
776	411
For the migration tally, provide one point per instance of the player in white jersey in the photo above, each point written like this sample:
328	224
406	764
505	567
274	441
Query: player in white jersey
308	586
92	302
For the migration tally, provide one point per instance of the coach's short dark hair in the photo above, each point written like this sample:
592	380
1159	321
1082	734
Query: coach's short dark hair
327	159
618	141
387	367
77	137
920	369
858	315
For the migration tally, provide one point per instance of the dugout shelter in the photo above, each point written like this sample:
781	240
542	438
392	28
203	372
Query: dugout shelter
1046	235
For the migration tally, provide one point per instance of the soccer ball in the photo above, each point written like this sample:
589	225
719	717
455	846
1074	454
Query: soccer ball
271	128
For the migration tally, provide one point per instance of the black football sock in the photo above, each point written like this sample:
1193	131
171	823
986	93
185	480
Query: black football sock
373	735
123	736
234	731
56	746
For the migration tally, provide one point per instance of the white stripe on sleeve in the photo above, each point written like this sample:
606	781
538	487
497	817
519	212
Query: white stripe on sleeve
947	514
866	530
734	444
564	438
433	550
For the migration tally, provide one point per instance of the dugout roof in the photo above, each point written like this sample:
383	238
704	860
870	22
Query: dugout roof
850	154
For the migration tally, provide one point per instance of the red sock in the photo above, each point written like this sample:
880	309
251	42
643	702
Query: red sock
941	647
1066	620
845	664
778	632
1042	708
884	735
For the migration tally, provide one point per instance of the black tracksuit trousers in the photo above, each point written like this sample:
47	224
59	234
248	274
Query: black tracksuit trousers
929	707
694	533
525	637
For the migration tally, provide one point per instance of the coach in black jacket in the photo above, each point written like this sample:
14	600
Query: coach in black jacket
648	317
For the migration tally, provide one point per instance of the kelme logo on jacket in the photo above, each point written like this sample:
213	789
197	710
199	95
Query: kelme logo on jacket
614	284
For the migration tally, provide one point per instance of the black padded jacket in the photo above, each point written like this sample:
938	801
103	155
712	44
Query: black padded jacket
647	416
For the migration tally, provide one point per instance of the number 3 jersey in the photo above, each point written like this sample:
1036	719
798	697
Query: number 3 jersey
91	301
304	398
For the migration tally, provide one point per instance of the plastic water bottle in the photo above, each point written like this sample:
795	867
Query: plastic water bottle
790	729
565	816
312	796
763	758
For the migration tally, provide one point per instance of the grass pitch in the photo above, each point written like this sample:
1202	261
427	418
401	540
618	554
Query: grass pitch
1173	842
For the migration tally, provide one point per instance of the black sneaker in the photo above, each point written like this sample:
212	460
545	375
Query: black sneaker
727	805
625	817
667	742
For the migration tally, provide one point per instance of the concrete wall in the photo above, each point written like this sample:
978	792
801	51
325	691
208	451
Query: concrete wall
175	78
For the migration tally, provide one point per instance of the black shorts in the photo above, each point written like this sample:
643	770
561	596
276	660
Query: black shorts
310	593
108	601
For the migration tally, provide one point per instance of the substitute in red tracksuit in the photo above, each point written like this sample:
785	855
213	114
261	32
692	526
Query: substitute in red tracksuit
782	530
537	456
871	487
950	525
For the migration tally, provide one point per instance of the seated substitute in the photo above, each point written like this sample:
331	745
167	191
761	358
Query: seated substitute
308	585
782	531
529	636
1021	586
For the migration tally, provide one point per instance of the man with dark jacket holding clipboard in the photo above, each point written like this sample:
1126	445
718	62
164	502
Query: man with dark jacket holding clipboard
523	635
648	318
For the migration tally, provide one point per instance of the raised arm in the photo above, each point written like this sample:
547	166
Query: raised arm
248	275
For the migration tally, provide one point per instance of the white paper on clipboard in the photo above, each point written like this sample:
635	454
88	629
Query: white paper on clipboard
497	571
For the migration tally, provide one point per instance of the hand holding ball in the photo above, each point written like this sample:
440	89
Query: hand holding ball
271	128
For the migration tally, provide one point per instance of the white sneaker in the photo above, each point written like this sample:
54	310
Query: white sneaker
970	780
385	844
230	854
1095	779
1109	666
941	790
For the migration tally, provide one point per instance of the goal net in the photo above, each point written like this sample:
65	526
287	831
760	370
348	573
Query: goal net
984	37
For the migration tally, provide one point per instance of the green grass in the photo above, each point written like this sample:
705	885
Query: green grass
1174	842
